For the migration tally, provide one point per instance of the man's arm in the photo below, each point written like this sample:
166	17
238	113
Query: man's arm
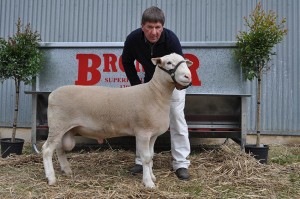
128	64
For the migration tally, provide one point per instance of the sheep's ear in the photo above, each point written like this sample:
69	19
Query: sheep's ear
156	61
188	62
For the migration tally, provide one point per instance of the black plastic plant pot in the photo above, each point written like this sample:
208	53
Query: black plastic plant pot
259	153
8	147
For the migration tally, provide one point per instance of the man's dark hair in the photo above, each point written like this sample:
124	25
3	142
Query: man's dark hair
153	14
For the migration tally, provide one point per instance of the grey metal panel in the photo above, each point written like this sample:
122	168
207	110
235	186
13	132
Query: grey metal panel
112	20
7	103
192	20
218	71
121	44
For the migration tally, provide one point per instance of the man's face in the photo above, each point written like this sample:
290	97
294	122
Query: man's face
152	31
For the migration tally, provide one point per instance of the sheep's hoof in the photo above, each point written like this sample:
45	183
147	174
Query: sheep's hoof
67	171
150	185
51	181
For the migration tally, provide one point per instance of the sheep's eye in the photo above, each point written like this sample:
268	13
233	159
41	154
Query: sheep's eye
169	63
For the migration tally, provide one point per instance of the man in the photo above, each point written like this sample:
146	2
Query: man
149	41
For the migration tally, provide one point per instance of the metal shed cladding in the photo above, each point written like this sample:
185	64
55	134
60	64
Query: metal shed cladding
192	20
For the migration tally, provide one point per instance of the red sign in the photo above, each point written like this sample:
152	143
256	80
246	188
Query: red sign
89	66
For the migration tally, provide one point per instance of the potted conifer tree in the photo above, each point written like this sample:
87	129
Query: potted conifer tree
253	52
20	60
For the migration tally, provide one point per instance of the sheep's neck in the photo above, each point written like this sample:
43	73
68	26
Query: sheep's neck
162	91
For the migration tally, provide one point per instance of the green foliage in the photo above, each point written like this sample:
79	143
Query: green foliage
20	56
21	60
254	48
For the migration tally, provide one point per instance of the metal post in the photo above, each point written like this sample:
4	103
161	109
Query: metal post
33	121
243	121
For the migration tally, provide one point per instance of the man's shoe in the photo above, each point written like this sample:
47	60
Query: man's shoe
182	174
136	169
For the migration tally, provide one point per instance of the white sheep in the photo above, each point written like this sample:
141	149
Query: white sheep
101	112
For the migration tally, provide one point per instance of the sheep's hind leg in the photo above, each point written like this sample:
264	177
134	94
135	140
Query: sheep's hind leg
142	145
62	158
48	150
68	143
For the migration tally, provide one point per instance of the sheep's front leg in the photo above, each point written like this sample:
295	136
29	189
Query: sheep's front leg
151	146
142	145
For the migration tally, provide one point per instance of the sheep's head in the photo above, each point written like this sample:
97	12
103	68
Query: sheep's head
177	67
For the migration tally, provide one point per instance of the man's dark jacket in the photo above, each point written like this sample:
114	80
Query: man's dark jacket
136	47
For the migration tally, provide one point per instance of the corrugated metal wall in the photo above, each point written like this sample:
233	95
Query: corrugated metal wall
192	20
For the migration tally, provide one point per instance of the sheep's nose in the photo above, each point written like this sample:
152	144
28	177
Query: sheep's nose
188	77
